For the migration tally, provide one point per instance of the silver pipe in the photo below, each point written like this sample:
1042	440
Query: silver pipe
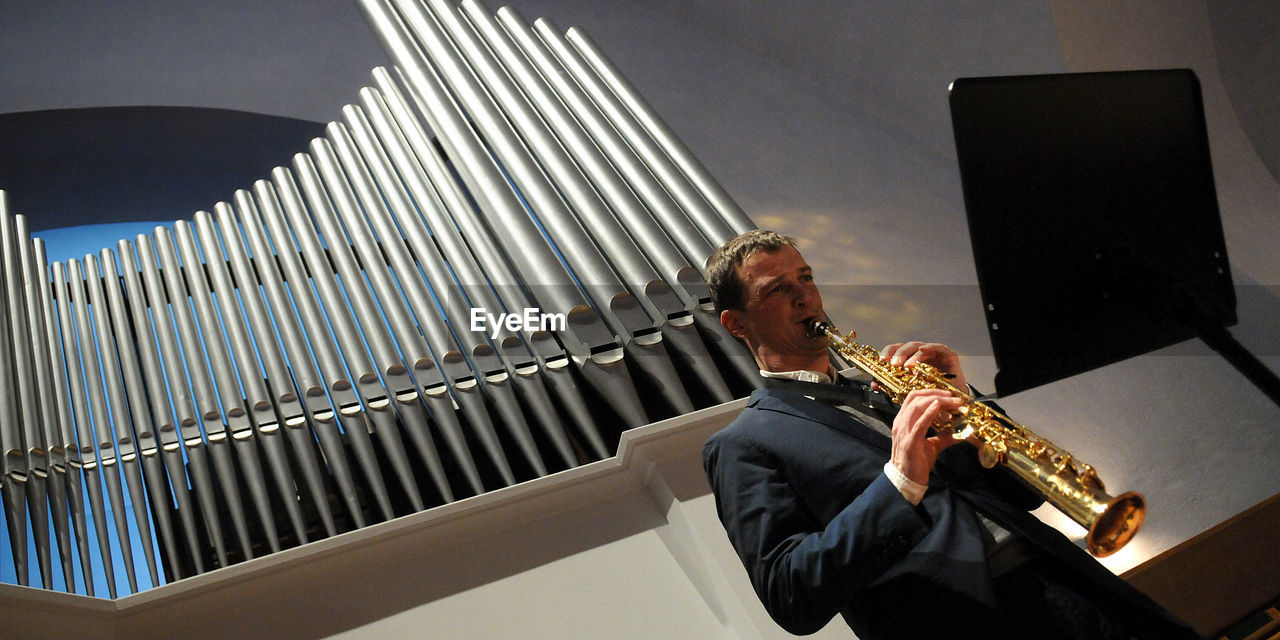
255	401
593	349
659	206
65	449
466	383
377	401
282	395
462	380
150	382
640	226
477	261
673	300
115	414
674	181
13	465
400	226
662	166
341	356
226	387
622	312
656	301
128	391
208	416
119	417
34	447
34	282
539	266
424	380
80	453
585	252
198	448
398	367
468	285
98	454
319	413
654	125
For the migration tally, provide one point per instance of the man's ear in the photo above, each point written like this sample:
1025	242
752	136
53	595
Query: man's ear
729	318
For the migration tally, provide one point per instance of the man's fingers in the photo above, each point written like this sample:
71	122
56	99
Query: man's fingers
925	353
945	439
889	349
923	407
898	353
925	419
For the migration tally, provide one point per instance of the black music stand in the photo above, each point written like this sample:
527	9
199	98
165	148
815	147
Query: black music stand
1094	221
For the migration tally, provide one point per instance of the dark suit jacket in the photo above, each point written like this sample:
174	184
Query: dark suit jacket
800	488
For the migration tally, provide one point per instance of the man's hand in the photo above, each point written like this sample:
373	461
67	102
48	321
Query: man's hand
914	450
909	354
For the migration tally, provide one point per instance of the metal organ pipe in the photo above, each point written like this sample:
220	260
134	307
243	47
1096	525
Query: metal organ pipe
363	333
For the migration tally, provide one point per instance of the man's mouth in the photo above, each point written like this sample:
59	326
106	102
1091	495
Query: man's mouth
807	323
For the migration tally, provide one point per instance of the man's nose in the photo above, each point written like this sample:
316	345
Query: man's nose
805	296
801	296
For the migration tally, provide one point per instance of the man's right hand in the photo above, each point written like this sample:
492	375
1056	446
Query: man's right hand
914	450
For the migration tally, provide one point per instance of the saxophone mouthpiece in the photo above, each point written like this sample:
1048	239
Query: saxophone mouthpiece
818	328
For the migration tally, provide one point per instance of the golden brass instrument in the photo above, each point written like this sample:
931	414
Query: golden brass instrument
1068	484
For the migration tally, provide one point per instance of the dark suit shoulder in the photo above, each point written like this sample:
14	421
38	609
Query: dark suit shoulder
785	425
766	409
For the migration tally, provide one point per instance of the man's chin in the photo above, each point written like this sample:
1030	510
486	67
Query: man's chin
815	346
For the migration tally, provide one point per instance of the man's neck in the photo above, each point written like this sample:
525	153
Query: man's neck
820	363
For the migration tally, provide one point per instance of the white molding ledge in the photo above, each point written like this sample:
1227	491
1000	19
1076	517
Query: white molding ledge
295	585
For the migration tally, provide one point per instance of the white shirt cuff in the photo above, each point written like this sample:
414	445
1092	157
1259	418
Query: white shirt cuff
911	490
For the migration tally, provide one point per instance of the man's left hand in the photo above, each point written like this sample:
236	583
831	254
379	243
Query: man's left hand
940	356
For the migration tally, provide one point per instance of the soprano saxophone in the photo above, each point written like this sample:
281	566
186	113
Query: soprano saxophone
1068	484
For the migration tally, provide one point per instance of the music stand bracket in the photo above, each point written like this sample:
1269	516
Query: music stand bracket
1212	333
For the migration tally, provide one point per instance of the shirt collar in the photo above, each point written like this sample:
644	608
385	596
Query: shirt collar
801	375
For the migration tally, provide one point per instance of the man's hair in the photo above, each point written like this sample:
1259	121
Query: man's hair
722	266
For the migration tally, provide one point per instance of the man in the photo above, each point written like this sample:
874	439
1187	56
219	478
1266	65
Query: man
837	502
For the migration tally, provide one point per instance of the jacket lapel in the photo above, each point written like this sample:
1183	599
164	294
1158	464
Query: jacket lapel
799	405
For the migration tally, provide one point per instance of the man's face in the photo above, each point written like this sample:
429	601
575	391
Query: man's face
780	299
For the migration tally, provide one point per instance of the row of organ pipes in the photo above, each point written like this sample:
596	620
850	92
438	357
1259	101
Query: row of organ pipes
300	361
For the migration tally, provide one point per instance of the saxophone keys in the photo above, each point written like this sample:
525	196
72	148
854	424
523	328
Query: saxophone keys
1090	477
990	454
